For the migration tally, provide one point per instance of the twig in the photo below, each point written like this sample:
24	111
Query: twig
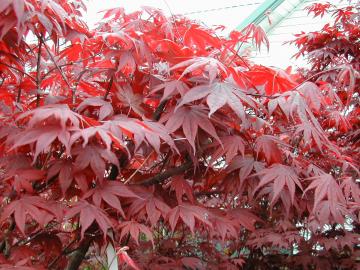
138	169
59	69
74	88
23	242
163	161
261	95
313	76
236	54
159	110
63	252
174	20
208	193
38	78
69	64
18	70
41	187
18	96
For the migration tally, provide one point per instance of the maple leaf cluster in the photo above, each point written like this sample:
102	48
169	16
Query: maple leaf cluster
153	136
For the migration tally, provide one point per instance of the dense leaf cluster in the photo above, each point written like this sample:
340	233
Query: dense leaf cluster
154	136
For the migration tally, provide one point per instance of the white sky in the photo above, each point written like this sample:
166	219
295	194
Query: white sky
229	13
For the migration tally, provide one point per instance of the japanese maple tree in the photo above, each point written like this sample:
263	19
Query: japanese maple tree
152	139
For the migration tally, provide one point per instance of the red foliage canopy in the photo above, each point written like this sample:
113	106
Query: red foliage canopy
153	135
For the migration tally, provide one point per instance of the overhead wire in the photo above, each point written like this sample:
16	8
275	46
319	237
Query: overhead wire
221	8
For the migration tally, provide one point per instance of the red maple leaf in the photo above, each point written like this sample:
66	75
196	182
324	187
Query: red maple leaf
95	156
109	192
280	176
218	94
188	213
181	187
134	229
267	146
105	109
325	187
147	203
89	213
37	208
190	118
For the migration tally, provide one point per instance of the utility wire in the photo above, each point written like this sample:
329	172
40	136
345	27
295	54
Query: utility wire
222	8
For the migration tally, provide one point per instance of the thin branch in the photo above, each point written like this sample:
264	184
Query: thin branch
18	96
165	160
152	167
138	169
31	237
55	68
3	243
59	69
18	70
261	95
63	252
208	193
159	110
69	64
174	20
236	54
159	178
315	75
40	187
74	88
38	78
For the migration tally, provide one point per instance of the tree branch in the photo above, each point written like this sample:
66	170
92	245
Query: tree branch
69	64
79	254
159	178
236	54
18	70
63	252
159	110
3	243
18	96
40	187
136	171
208	193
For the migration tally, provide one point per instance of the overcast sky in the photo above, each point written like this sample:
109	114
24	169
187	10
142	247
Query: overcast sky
229	13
